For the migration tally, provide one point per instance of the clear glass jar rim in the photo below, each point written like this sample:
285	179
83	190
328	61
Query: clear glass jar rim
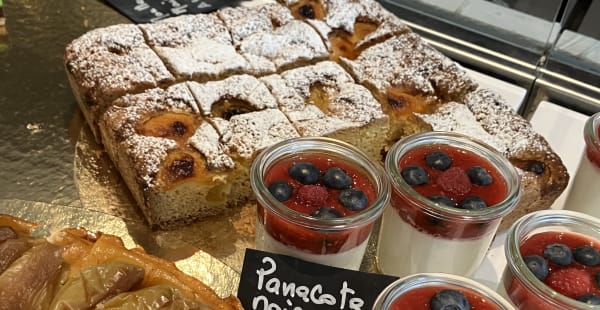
506	168
590	132
519	268
388	295
323	145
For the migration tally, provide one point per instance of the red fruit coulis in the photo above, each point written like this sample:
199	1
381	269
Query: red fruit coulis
535	245
593	152
418	298
463	159
311	240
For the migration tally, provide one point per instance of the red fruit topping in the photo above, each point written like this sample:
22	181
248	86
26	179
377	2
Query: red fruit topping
570	282
312	195
455	182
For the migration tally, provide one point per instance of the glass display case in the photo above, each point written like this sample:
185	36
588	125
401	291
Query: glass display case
550	48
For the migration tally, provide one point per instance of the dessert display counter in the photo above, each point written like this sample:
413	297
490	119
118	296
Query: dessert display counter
53	171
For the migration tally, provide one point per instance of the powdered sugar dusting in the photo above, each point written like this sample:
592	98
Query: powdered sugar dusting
287	45
348	104
147	154
175	97
204	59
195	47
498	118
186	29
243	22
456	117
252	132
408	63
206	141
110	62
243	87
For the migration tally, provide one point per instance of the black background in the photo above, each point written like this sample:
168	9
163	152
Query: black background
127	8
367	286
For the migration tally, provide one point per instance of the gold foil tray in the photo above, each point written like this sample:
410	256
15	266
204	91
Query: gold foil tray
189	259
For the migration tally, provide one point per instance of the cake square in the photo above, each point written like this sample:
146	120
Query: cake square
177	165
291	45
409	76
323	100
234	95
245	21
348	26
195	47
107	63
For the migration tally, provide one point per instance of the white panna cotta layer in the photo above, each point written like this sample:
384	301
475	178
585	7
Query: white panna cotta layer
584	196
350	259
405	250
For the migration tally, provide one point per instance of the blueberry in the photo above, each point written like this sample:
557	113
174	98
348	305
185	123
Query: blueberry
537	265
304	172
558	253
326	213
589	299
536	167
587	255
449	299
597	278
443	200
473	203
281	190
438	160
353	199
415	175
479	176
336	178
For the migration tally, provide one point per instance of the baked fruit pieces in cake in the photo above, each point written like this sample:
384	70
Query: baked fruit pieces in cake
347	27
181	165
78	269
184	146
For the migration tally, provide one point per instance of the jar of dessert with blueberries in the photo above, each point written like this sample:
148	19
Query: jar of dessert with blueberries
318	199
439	291
449	194
553	261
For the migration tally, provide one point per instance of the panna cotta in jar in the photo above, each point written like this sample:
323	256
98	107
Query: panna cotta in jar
584	196
439	291
449	194
318	199
553	261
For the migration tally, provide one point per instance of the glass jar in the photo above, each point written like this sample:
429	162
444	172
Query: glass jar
313	224
419	235
527	237
583	196
416	291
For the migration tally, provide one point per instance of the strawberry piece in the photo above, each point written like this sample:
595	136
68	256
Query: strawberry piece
312	195
570	282
455	182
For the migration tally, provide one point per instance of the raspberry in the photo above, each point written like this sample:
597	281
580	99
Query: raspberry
455	182
570	282
312	195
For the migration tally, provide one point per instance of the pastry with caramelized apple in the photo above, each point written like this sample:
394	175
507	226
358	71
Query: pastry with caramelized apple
183	106
78	269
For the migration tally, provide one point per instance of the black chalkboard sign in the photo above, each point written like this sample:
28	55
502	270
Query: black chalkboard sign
147	11
272	281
